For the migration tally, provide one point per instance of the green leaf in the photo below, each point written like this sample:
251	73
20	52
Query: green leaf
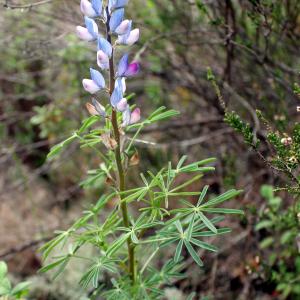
57	148
193	253
20	288
204	245
266	242
179	227
178	251
226	196
49	246
263	224
223	211
202	195
53	265
117	244
267	191
190	228
164	115
207	222
88	123
191	296
3	269
5	287
210	233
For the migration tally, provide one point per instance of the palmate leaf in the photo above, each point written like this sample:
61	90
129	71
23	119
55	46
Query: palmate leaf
61	239
92	276
60	263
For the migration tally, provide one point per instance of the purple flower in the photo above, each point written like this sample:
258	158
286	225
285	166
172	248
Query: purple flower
116	19
125	69
95	84
91	10
105	46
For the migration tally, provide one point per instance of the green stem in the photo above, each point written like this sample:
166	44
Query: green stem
120	168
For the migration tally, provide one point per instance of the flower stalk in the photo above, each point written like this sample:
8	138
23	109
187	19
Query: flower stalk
112	14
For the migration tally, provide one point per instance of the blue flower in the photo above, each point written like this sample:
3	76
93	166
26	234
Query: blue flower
116	19
91	9
116	4
95	84
91	27
105	46
117	94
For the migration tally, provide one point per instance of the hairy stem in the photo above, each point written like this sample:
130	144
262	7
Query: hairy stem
118	157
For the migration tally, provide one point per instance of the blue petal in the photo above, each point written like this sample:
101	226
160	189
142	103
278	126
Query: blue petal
105	46
123	65
91	26
120	3
115	4
116	19
97	6
116	96
97	77
126	117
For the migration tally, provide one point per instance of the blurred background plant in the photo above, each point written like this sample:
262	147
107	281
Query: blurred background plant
252	48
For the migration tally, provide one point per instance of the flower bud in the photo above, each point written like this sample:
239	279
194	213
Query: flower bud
90	86
133	37
87	9
123	28
102	60
84	34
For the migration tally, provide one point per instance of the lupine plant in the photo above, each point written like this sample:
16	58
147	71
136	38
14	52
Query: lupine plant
142	221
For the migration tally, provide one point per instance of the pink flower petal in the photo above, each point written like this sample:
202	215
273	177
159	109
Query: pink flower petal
102	60
84	34
87	9
133	37
135	116
90	86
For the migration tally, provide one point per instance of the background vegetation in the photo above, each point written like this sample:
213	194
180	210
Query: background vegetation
252	49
